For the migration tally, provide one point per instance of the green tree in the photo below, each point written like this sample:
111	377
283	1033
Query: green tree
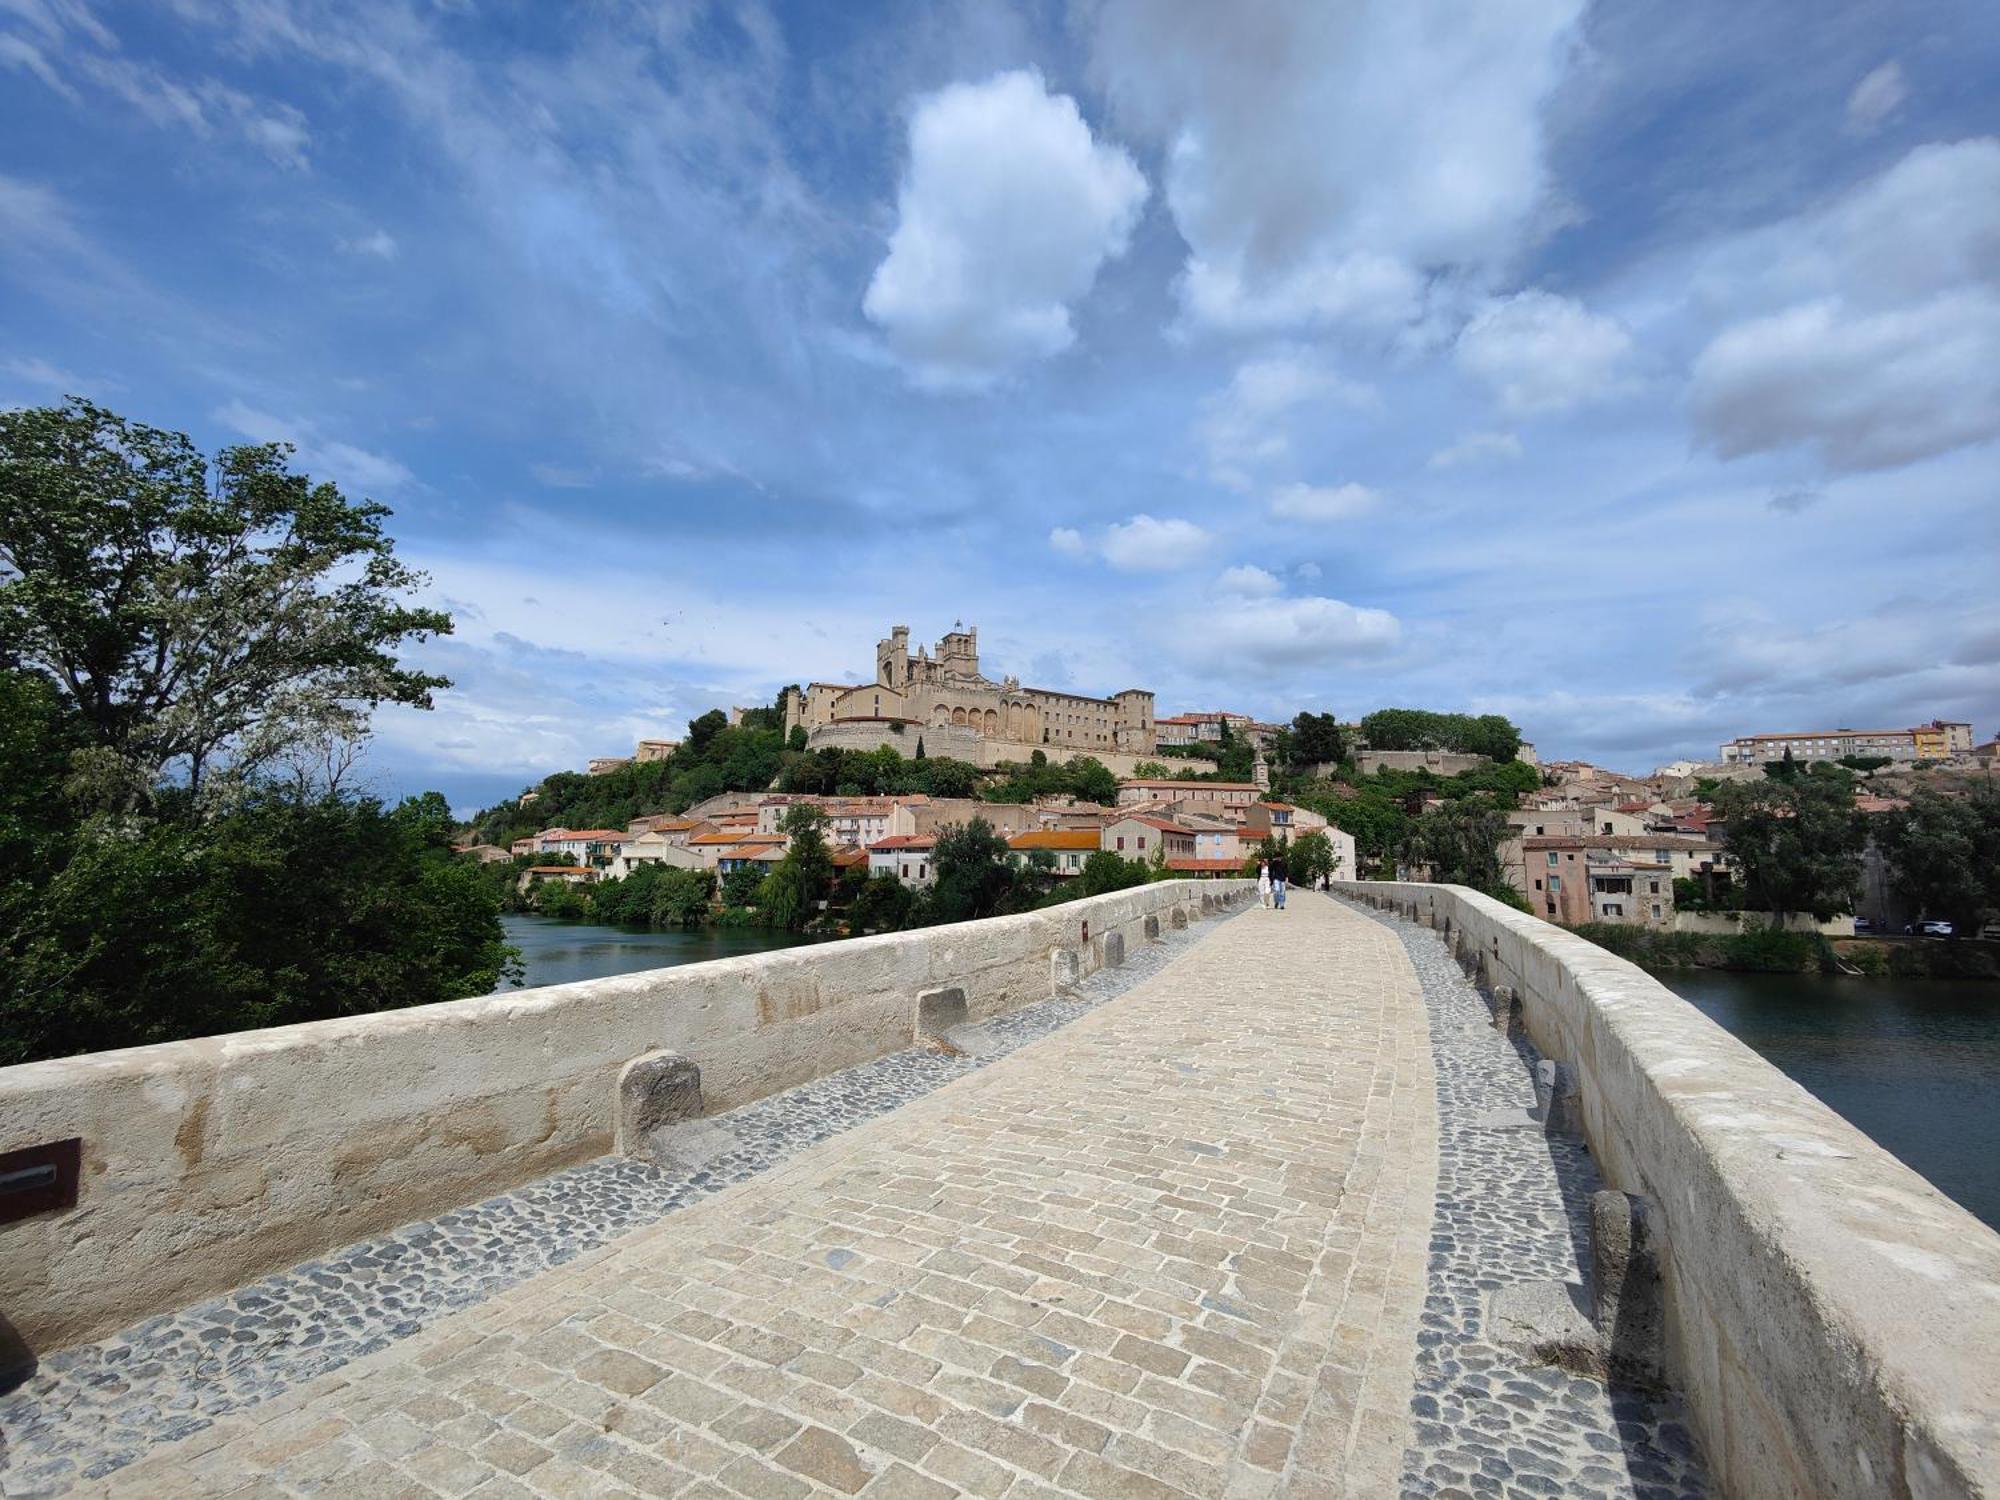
195	629
1796	839
972	875
796	740
681	897
790	897
1944	855
1460	843
1311	857
740	887
1316	740
1091	781
883	904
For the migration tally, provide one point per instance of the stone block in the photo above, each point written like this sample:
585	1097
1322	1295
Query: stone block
1630	1306
1065	969
1152	928
940	1010
1207	903
1177	918
1557	1097
1547	1321
658	1088
1506	1009
1114	949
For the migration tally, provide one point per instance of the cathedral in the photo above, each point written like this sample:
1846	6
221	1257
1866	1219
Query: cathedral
946	698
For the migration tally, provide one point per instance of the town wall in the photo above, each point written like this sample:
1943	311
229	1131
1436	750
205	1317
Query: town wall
208	1163
955	743
1833	1319
1757	921
1443	762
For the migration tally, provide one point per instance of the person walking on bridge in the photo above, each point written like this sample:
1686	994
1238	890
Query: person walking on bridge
1264	884
1278	879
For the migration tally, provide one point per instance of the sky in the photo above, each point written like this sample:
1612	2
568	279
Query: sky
1633	371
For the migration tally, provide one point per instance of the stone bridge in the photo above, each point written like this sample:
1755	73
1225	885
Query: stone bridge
1163	1193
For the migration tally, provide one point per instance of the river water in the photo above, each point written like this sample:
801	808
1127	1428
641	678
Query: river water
556	952
1915	1063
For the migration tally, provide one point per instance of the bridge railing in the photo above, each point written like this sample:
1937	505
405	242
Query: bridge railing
207	1163
1833	1319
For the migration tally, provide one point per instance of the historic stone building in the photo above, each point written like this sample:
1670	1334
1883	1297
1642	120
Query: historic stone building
961	712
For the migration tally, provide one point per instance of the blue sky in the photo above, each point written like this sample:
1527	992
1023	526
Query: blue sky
1633	371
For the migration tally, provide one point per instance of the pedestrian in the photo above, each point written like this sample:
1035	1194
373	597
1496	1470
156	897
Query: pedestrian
1264	884
1278	879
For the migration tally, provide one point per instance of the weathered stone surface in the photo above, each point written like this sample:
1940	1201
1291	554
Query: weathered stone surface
1547	1320
1065	969
660	1088
1630	1308
1114	950
1556	1097
1152	928
1177	918
940	1010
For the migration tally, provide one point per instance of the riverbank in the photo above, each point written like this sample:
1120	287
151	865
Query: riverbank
1797	953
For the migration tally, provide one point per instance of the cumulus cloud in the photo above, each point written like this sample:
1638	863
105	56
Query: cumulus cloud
1542	353
1069	542
1321	503
1248	581
1876	97
1273	633
1477	448
1877	341
351	467
1007	210
1247	425
1146	544
1307	186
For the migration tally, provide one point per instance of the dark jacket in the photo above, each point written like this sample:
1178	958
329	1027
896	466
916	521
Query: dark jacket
1278	869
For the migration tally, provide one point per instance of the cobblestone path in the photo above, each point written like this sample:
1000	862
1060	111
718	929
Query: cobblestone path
1175	1248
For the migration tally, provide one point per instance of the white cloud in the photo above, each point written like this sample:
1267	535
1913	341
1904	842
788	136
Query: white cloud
1146	544
1248	581
352	467
1247	425
1307	571
379	244
1272	633
1339	163
1007	210
1867	332
1876	97
1069	542
1543	353
1322	502
1477	448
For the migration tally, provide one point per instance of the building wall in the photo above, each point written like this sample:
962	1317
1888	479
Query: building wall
1833	1319
208	1163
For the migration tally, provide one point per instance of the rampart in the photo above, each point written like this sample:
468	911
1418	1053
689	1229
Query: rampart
208	1163
1833	1319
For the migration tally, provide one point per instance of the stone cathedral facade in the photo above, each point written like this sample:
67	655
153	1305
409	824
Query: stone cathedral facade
959	711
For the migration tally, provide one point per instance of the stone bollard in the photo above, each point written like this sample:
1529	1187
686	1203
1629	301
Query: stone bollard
1065	970
938	1011
1114	949
654	1089
1152	928
1506	1009
1177	918
1207	903
1557	1099
1630	1310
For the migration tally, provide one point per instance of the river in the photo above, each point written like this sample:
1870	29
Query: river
556	952
1915	1063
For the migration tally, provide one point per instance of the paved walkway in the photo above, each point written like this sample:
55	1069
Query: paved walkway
1176	1248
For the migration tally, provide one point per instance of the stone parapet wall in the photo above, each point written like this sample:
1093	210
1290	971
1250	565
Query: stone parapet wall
208	1163
1834	1319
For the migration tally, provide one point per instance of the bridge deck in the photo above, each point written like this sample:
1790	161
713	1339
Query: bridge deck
1177	1247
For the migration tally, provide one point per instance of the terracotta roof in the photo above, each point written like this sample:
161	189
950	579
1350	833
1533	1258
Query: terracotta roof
1056	838
558	869
1618	841
1204	865
764	853
597	835
719	836
905	841
1198	786
1165	824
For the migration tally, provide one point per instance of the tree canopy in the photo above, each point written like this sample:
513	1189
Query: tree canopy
1490	735
1944	855
1796	839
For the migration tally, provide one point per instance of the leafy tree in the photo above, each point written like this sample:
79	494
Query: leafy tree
1315	740
1460	843
1151	770
1490	735
1796	839
790	895
883	904
973	877
1944	854
920	748
1864	763
740	887
1090	781
681	897
1103	872
796	740
1312	857
193	627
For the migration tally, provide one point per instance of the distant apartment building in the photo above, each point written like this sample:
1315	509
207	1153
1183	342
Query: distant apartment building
651	750
1940	739
907	856
1629	878
1206	728
1141	836
1070	847
1217	798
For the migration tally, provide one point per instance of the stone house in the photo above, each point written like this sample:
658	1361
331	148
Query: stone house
1138	836
907	856
1070	846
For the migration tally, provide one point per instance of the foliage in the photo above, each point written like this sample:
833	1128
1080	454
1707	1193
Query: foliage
1796	839
740	887
1314	739
883	904
973	877
1864	763
287	909
1490	735
1311	858
1152	770
654	895
1715	890
1759	951
877	773
790	894
1944	854
1084	778
198	633
1103	872
1459	842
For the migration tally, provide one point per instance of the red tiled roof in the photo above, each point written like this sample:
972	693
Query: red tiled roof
904	841
1204	866
1056	838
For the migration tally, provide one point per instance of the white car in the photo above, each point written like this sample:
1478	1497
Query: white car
1935	929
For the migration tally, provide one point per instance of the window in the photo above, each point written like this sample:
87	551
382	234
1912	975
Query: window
1142	841
1653	889
1614	909
1552	856
1656	911
1555	882
1121	843
1538	885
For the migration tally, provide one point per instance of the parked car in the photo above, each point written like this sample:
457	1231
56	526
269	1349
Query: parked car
1935	928
1862	924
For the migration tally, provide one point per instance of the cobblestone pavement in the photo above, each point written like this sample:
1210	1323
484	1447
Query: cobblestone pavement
93	1408
1513	1205
1175	1248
